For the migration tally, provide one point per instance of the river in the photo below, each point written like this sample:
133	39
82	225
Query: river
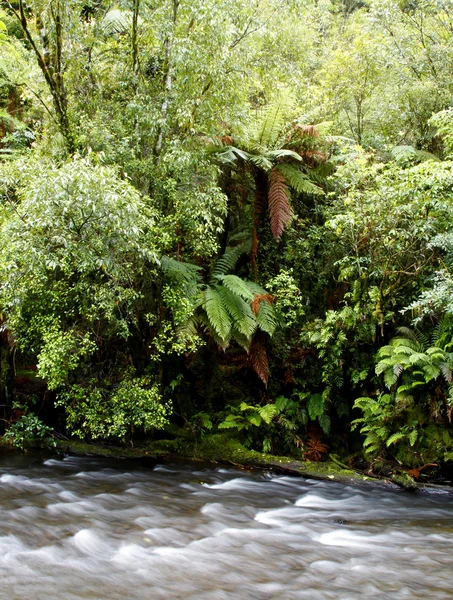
78	528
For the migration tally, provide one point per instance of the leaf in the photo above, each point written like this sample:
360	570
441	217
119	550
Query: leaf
258	361
228	261
279	206
240	312
413	437
298	180
254	419
266	318
268	412
315	406
236	285
116	21
396	437
324	421
218	316
256	303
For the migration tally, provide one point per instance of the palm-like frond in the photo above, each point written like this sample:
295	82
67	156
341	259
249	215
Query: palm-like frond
270	127
116	21
266	318
227	262
218	316
180	271
241	314
236	285
258	361
279	206
298	180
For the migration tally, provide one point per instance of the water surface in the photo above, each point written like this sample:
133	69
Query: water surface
90	528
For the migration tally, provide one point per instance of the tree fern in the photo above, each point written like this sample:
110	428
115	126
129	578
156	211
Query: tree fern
279	206
242	317
298	180
236	285
227	262
218	316
258	362
180	271
273	119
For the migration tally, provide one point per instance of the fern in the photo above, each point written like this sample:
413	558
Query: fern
180	271
218	316
240	312
116	21
236	285
396	437
227	262
258	361
266	318
274	116
279	206
267	412
298	180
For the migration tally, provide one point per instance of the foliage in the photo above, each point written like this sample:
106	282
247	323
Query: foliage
235	207
102	411
414	416
29	430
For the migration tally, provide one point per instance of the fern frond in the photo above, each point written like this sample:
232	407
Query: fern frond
218	316
274	116
298	180
240	312
259	362
180	271
116	21
279	206
236	285
256	303
261	161
227	262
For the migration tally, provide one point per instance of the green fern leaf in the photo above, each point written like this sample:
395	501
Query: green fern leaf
218	316
267	412
266	318
298	180
228	261
315	406
237	285
241	314
396	437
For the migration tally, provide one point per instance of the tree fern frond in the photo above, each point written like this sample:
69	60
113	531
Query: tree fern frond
266	318
218	316
261	161
256	303
180	271
258	361
279	206
241	339
236	285
255	288
116	21
298	180
227	262
274	116
240	312
284	152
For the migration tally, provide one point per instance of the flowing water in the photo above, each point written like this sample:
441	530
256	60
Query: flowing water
87	528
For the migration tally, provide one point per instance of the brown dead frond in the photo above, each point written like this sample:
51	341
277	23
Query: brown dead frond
258	361
258	298
279	206
314	448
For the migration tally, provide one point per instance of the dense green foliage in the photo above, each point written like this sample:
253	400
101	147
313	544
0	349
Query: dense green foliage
231	216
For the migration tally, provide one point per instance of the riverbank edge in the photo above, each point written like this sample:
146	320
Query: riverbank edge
220	449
